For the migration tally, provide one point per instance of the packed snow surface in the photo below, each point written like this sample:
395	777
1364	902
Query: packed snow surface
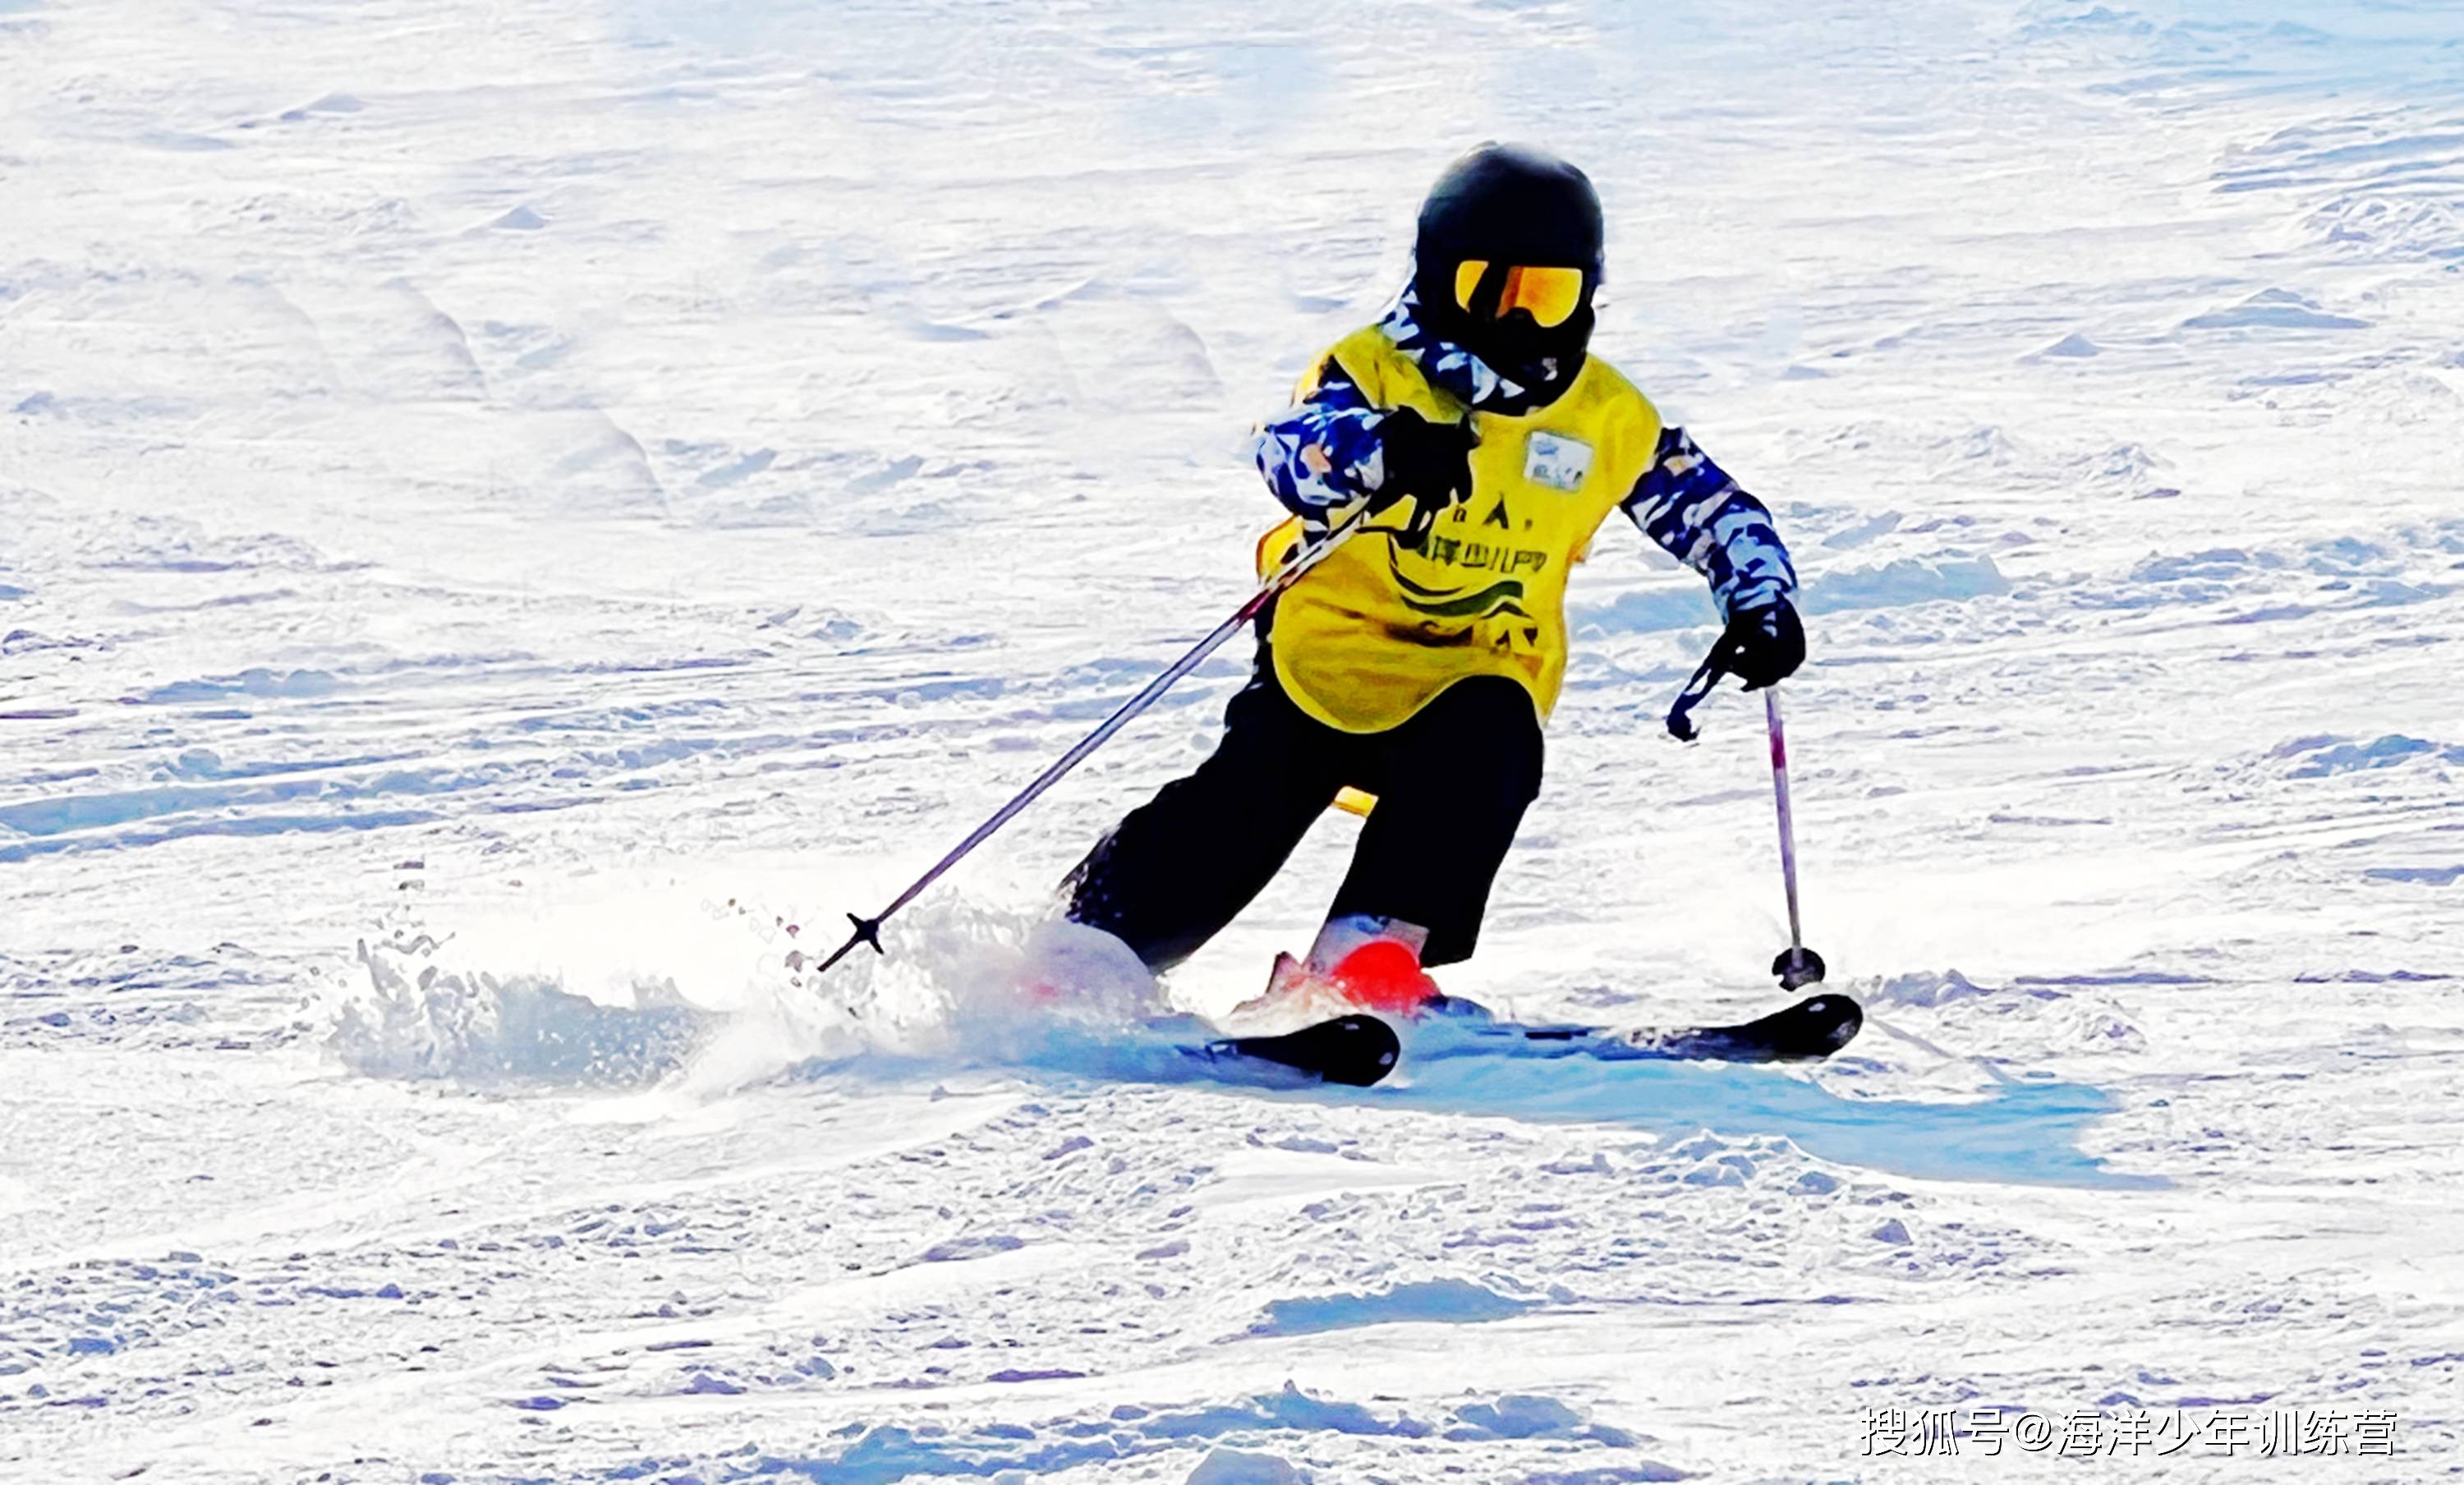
516	517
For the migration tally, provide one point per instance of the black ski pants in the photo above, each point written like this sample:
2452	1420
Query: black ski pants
1451	782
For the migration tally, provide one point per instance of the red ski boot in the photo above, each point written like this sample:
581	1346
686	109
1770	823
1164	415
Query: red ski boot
1359	962
1385	976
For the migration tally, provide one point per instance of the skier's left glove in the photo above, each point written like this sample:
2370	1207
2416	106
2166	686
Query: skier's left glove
1765	646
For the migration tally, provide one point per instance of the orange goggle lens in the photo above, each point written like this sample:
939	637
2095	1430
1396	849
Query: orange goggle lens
1549	295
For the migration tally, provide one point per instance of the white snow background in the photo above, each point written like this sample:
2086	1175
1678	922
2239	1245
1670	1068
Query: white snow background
504	505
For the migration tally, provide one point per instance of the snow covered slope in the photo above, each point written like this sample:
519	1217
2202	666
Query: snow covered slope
503	508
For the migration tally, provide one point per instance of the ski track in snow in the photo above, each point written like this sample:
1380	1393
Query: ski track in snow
503	510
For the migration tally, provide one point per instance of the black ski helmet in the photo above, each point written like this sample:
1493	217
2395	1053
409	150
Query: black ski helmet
1510	206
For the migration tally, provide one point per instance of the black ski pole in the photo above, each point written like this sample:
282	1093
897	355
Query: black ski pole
867	930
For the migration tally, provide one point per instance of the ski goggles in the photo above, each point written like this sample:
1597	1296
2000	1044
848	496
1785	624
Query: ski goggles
1550	295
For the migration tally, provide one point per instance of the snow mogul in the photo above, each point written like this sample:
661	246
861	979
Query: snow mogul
1417	663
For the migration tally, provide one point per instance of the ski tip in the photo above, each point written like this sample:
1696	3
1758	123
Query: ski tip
1351	1051
1373	1050
1832	1021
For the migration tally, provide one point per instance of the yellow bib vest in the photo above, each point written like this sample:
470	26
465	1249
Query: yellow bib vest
1375	632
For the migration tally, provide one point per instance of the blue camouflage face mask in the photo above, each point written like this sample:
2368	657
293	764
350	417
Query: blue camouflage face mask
1512	388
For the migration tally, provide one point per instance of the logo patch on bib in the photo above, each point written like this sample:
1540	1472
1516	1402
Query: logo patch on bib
1557	462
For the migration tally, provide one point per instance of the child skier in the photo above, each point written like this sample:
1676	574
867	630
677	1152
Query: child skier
1420	661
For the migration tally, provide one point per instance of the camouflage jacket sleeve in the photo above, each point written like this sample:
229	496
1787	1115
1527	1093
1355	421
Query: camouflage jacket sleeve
1322	454
1685	502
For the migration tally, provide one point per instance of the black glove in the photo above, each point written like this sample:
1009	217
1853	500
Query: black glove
1764	646
1431	462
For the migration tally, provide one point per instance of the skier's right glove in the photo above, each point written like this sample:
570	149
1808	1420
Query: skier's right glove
1431	462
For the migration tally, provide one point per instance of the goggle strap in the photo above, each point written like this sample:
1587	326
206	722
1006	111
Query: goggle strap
1487	298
